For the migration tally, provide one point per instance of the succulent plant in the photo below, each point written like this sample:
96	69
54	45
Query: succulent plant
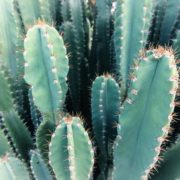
89	90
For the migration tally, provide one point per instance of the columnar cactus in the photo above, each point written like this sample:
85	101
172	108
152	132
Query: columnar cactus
62	61
149	83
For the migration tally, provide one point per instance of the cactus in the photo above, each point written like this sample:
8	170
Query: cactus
143	92
4	146
49	88
105	113
62	61
8	37
166	22
70	151
170	167
39	168
13	168
132	21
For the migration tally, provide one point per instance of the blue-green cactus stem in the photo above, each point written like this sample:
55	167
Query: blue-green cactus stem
172	12
65	11
8	36
47	61
132	22
71	153
143	125
35	114
19	133
32	11
4	144
43	137
6	138
39	168
55	9
16	129
12	168
176	45
159	15
74	75
169	167
20	39
105	114
79	21
5	94
100	56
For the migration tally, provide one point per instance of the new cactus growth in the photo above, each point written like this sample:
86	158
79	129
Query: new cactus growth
99	60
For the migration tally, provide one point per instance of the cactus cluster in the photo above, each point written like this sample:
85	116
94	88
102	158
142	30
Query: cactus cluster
89	90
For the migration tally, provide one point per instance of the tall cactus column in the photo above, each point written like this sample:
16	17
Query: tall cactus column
132	21
46	68
105	113
144	126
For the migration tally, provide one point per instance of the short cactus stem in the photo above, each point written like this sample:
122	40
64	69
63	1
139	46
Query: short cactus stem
72	157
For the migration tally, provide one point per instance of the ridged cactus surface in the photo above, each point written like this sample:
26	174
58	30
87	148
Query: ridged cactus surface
89	89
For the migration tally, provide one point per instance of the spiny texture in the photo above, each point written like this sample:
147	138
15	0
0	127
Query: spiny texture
12	122
169	168
132	21
49	64
143	125
8	36
32	11
105	112
170	18
70	151
68	44
100	61
12	168
39	168
76	39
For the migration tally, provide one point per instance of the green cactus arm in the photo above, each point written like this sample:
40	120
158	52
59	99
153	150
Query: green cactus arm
176	45
43	137
45	11
159	16
18	132
171	15
12	168
74	75
20	39
39	168
105	114
77	17
6	101
133	23
8	37
77	14
169	167
143	125
47	61
65	11
71	153
12	121
4	145
35	114
100	56
30	12
55	9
